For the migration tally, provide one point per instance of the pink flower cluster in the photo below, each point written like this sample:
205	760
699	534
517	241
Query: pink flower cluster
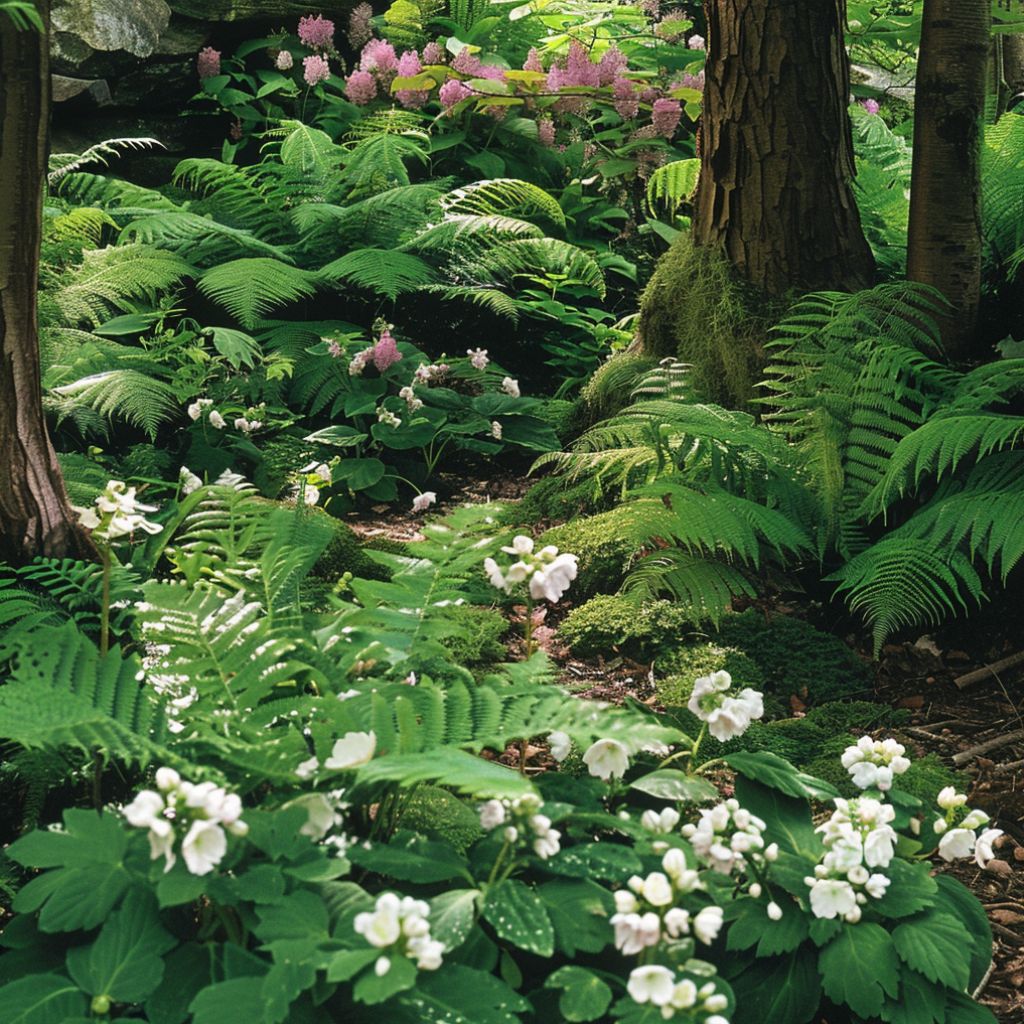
208	62
409	65
361	88
316	32
451	93
360	31
433	53
382	354
379	58
315	69
871	106
665	115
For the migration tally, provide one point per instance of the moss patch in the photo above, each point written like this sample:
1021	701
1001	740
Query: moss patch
478	640
614	622
603	553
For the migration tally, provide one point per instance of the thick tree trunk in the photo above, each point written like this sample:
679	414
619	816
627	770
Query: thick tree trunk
944	234
35	518
776	148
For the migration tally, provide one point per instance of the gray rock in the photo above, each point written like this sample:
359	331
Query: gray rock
95	90
132	25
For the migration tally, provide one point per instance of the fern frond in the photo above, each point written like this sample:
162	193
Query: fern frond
63	164
672	184
129	395
384	271
489	298
202	239
250	288
538	258
113	194
377	163
503	196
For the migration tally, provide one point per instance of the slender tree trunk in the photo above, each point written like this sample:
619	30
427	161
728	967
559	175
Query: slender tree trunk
35	518
776	147
1013	65
944	233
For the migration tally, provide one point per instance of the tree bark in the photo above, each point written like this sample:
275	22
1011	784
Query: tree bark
944	233
35	516
1013	66
776	146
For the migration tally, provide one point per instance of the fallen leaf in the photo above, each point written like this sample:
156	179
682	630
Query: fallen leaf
999	867
916	701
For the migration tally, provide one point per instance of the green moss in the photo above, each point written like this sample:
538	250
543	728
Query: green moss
344	553
388	544
434	810
613	621
677	671
603	553
696	309
926	776
796	658
552	499
478	640
609	389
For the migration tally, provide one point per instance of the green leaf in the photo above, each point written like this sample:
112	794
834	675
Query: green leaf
584	997
672	784
608	861
778	991
753	927
372	988
776	772
360	473
974	921
338	437
125	963
179	886
933	944
859	968
962	1009
237	1000
517	913
40	999
237	347
186	971
579	912
788	817
88	875
348	963
463	995
411	858
912	890
452	915
919	1002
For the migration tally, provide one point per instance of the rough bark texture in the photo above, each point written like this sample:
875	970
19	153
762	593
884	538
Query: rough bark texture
776	148
35	517
944	233
1013	66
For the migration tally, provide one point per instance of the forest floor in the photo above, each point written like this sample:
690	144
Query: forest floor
977	728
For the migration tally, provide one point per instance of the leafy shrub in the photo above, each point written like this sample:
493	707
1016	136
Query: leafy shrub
476	636
612	622
436	812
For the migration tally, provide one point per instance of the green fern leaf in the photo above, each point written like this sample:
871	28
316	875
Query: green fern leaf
250	288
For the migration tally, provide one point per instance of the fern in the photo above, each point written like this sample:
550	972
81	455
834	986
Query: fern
63	164
672	184
250	288
130	395
377	163
538	259
202	239
115	196
383	271
503	196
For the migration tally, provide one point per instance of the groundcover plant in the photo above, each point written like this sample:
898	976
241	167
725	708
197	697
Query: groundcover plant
468	520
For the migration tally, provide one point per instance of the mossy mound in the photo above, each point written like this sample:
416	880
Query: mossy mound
478	640
678	669
696	309
795	658
611	386
613	622
604	554
433	810
344	553
553	499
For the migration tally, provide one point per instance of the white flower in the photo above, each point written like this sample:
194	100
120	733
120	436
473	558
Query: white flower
478	358
657	889
879	847
352	750
727	716
677	922
876	885
958	842
496	430
167	779
635	932
625	902
707	924
607	759
684	996
662	822
560	745
195	410
651	984
548	844
217	421
552	581
423	501
949	798
146	807
203	847
983	851
510	387
492	814
521	545
381	927
389	418
975	819
307	768
832	897
230	479
161	844
188	480
319	814
774	911
381	966
428	953
284	61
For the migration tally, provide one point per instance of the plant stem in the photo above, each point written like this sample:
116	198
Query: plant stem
105	609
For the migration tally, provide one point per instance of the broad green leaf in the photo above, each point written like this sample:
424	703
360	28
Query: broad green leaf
186	971
753	927
517	914
672	784
348	963
769	769
411	858
972	916
778	991
240	999
462	995
912	890
933	944
372	988
608	861
452	915
41	999
859	968
788	817
962	1009
579	912
919	1001
585	996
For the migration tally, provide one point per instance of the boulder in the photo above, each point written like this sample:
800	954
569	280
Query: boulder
131	25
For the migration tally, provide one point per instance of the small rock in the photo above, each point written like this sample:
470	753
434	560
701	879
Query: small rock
999	867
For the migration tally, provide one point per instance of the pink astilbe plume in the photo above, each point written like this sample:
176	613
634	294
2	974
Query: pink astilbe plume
579	73
625	99
361	88
360	31
665	115
379	57
451	93
208	62
692	81
385	352
433	53
871	106
315	69
533	61
316	32
466	63
612	65
409	65
546	132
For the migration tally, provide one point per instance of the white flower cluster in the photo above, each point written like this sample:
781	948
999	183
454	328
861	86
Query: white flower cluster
478	358
857	837
425	374
549	573
311	479
522	820
408	395
510	387
872	764
660	822
388	418
351	751
118	513
423	501
658	986
400	926
647	911
198	814
728	715
958	829
726	836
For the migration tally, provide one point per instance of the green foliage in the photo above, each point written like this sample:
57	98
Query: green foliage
477	636
603	551
611	623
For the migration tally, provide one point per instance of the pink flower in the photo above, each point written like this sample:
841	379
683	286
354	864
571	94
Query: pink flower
871	106
316	32
409	65
315	69
665	115
492	71
466	63
433	53
533	61
695	42
385	352
334	349
692	81
208	62
360	87
379	57
420	504
546	132
284	61
612	65
625	99
360	31
451	93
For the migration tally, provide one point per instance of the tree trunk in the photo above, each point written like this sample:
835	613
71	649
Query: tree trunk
944	233
1013	67
776	148
35	517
